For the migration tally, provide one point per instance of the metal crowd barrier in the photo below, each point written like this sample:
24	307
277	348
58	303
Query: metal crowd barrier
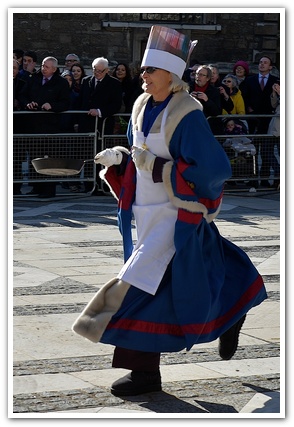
247	152
245	163
119	136
76	145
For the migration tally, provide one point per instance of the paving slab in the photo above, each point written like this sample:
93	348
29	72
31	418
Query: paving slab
243	368
64	250
263	402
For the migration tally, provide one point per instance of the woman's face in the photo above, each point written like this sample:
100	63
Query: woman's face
76	72
240	71
121	72
228	82
156	83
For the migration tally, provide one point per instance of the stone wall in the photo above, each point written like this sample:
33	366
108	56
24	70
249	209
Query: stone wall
223	38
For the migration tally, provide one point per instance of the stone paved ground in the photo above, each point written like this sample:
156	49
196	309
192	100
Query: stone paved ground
63	250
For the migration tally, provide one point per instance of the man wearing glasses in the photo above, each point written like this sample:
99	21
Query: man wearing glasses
202	90
100	95
70	59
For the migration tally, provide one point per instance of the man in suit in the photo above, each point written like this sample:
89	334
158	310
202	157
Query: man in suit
256	93
46	91
100	95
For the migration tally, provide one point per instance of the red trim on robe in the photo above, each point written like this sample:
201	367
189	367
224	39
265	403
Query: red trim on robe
211	204
146	327
189	217
195	329
182	166
128	187
206	328
182	186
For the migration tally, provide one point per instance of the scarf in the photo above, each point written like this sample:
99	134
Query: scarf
201	88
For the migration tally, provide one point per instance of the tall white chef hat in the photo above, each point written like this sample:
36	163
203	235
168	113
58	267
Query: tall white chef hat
168	49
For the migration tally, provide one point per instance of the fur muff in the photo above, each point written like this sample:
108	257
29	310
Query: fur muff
94	319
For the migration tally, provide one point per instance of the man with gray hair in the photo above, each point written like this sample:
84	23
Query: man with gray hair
100	95
70	59
46	91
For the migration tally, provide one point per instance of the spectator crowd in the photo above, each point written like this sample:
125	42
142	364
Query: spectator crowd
109	90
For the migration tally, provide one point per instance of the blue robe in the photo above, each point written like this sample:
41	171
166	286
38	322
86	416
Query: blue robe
210	282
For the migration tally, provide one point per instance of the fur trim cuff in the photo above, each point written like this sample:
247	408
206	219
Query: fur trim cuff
190	206
123	149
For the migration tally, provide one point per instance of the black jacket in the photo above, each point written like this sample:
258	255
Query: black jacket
19	86
255	98
56	92
212	107
106	96
259	101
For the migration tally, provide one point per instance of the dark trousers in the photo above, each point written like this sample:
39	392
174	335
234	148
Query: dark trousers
267	154
45	188
143	361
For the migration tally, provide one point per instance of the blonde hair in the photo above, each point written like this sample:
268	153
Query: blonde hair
178	84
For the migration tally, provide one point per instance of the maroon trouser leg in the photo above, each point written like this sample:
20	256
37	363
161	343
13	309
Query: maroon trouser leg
143	361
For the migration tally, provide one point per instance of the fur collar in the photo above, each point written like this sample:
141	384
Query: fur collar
178	107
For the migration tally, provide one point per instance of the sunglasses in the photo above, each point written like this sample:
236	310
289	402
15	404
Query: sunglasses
227	81
148	70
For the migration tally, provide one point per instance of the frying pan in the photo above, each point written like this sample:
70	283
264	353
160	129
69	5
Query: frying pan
59	167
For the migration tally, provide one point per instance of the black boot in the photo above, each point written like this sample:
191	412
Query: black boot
137	383
228	342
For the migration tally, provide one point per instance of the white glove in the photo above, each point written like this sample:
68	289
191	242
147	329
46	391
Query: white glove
109	157
143	159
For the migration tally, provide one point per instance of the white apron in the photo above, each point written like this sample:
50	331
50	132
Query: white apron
155	220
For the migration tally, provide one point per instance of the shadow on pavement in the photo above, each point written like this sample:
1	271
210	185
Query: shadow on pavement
162	402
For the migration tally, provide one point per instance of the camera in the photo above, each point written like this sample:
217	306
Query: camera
227	89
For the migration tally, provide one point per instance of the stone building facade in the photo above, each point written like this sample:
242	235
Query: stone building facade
223	38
